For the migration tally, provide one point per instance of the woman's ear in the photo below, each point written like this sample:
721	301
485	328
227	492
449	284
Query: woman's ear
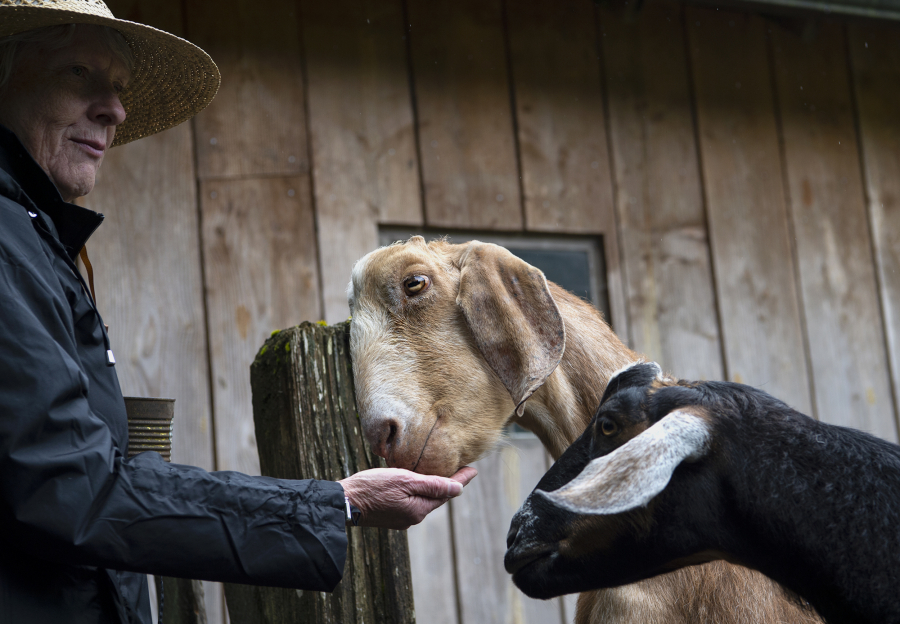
515	321
633	474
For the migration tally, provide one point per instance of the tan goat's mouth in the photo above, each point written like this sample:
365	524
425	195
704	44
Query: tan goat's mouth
437	417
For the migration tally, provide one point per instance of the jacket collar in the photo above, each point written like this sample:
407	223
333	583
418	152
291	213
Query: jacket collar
27	184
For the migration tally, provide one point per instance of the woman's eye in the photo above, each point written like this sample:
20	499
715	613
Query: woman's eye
608	427
416	284
78	70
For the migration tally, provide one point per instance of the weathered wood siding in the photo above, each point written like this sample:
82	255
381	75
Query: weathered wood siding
743	172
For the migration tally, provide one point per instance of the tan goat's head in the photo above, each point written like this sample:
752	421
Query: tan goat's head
447	342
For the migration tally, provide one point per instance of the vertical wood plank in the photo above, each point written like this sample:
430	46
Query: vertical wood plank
834	250
570	606
875	57
365	166
259	250
559	110
153	281
752	255
433	573
659	202
466	137
566	179
257	231
256	124
481	521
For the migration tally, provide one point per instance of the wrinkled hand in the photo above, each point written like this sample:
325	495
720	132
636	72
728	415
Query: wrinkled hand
393	498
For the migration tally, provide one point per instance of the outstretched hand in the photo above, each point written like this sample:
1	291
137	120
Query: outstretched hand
393	498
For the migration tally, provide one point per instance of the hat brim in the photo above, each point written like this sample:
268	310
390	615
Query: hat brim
172	79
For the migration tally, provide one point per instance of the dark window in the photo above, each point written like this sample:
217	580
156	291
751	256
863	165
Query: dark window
568	268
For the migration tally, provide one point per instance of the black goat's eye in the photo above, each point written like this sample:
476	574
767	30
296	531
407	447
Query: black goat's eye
416	284
608	427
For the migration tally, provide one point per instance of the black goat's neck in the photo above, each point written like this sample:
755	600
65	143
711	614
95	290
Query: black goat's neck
817	508
562	408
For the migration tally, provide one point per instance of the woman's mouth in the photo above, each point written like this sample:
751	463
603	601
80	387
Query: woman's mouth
91	146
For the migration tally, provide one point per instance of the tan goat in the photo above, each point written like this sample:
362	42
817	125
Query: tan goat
452	342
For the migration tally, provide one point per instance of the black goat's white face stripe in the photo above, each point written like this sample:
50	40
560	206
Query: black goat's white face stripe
634	473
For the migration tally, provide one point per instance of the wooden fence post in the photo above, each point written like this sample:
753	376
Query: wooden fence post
307	427
183	603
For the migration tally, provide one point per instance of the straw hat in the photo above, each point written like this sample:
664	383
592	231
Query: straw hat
172	80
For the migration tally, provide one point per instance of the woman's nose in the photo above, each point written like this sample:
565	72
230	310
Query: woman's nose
107	109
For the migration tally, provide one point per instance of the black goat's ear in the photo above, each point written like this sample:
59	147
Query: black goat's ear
637	471
638	374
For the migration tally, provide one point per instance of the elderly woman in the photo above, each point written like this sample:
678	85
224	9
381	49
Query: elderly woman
80	525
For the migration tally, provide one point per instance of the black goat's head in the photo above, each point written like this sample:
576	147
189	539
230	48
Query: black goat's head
591	523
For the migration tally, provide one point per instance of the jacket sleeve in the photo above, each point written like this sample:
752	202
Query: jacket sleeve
67	494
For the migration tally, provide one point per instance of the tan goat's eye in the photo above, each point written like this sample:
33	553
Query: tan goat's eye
416	284
608	427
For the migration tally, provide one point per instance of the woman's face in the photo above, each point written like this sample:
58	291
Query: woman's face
64	106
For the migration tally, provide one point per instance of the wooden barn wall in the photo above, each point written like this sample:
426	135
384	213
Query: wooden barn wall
743	171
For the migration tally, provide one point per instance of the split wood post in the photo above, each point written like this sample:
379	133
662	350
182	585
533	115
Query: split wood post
307	427
183	600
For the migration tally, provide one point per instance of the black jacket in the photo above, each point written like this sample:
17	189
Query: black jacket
80	525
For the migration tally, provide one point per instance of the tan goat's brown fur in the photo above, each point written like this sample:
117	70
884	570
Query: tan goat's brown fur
432	400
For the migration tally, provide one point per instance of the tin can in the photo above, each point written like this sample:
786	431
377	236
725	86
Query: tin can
150	424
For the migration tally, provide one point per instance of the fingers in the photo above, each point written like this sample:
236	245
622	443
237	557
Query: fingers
442	487
464	475
433	487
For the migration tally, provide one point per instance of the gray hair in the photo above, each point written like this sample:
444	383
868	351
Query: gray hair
57	37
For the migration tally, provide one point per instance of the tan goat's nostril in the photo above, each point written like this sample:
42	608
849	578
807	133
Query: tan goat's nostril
385	437
392	433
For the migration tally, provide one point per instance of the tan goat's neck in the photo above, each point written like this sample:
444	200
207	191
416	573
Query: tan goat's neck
561	409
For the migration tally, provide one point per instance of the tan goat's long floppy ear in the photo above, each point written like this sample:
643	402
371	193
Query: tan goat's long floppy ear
634	473
515	321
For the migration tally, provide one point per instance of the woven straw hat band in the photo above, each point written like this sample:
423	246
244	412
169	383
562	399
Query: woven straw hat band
172	79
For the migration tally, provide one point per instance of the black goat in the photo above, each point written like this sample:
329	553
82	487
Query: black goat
672	473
